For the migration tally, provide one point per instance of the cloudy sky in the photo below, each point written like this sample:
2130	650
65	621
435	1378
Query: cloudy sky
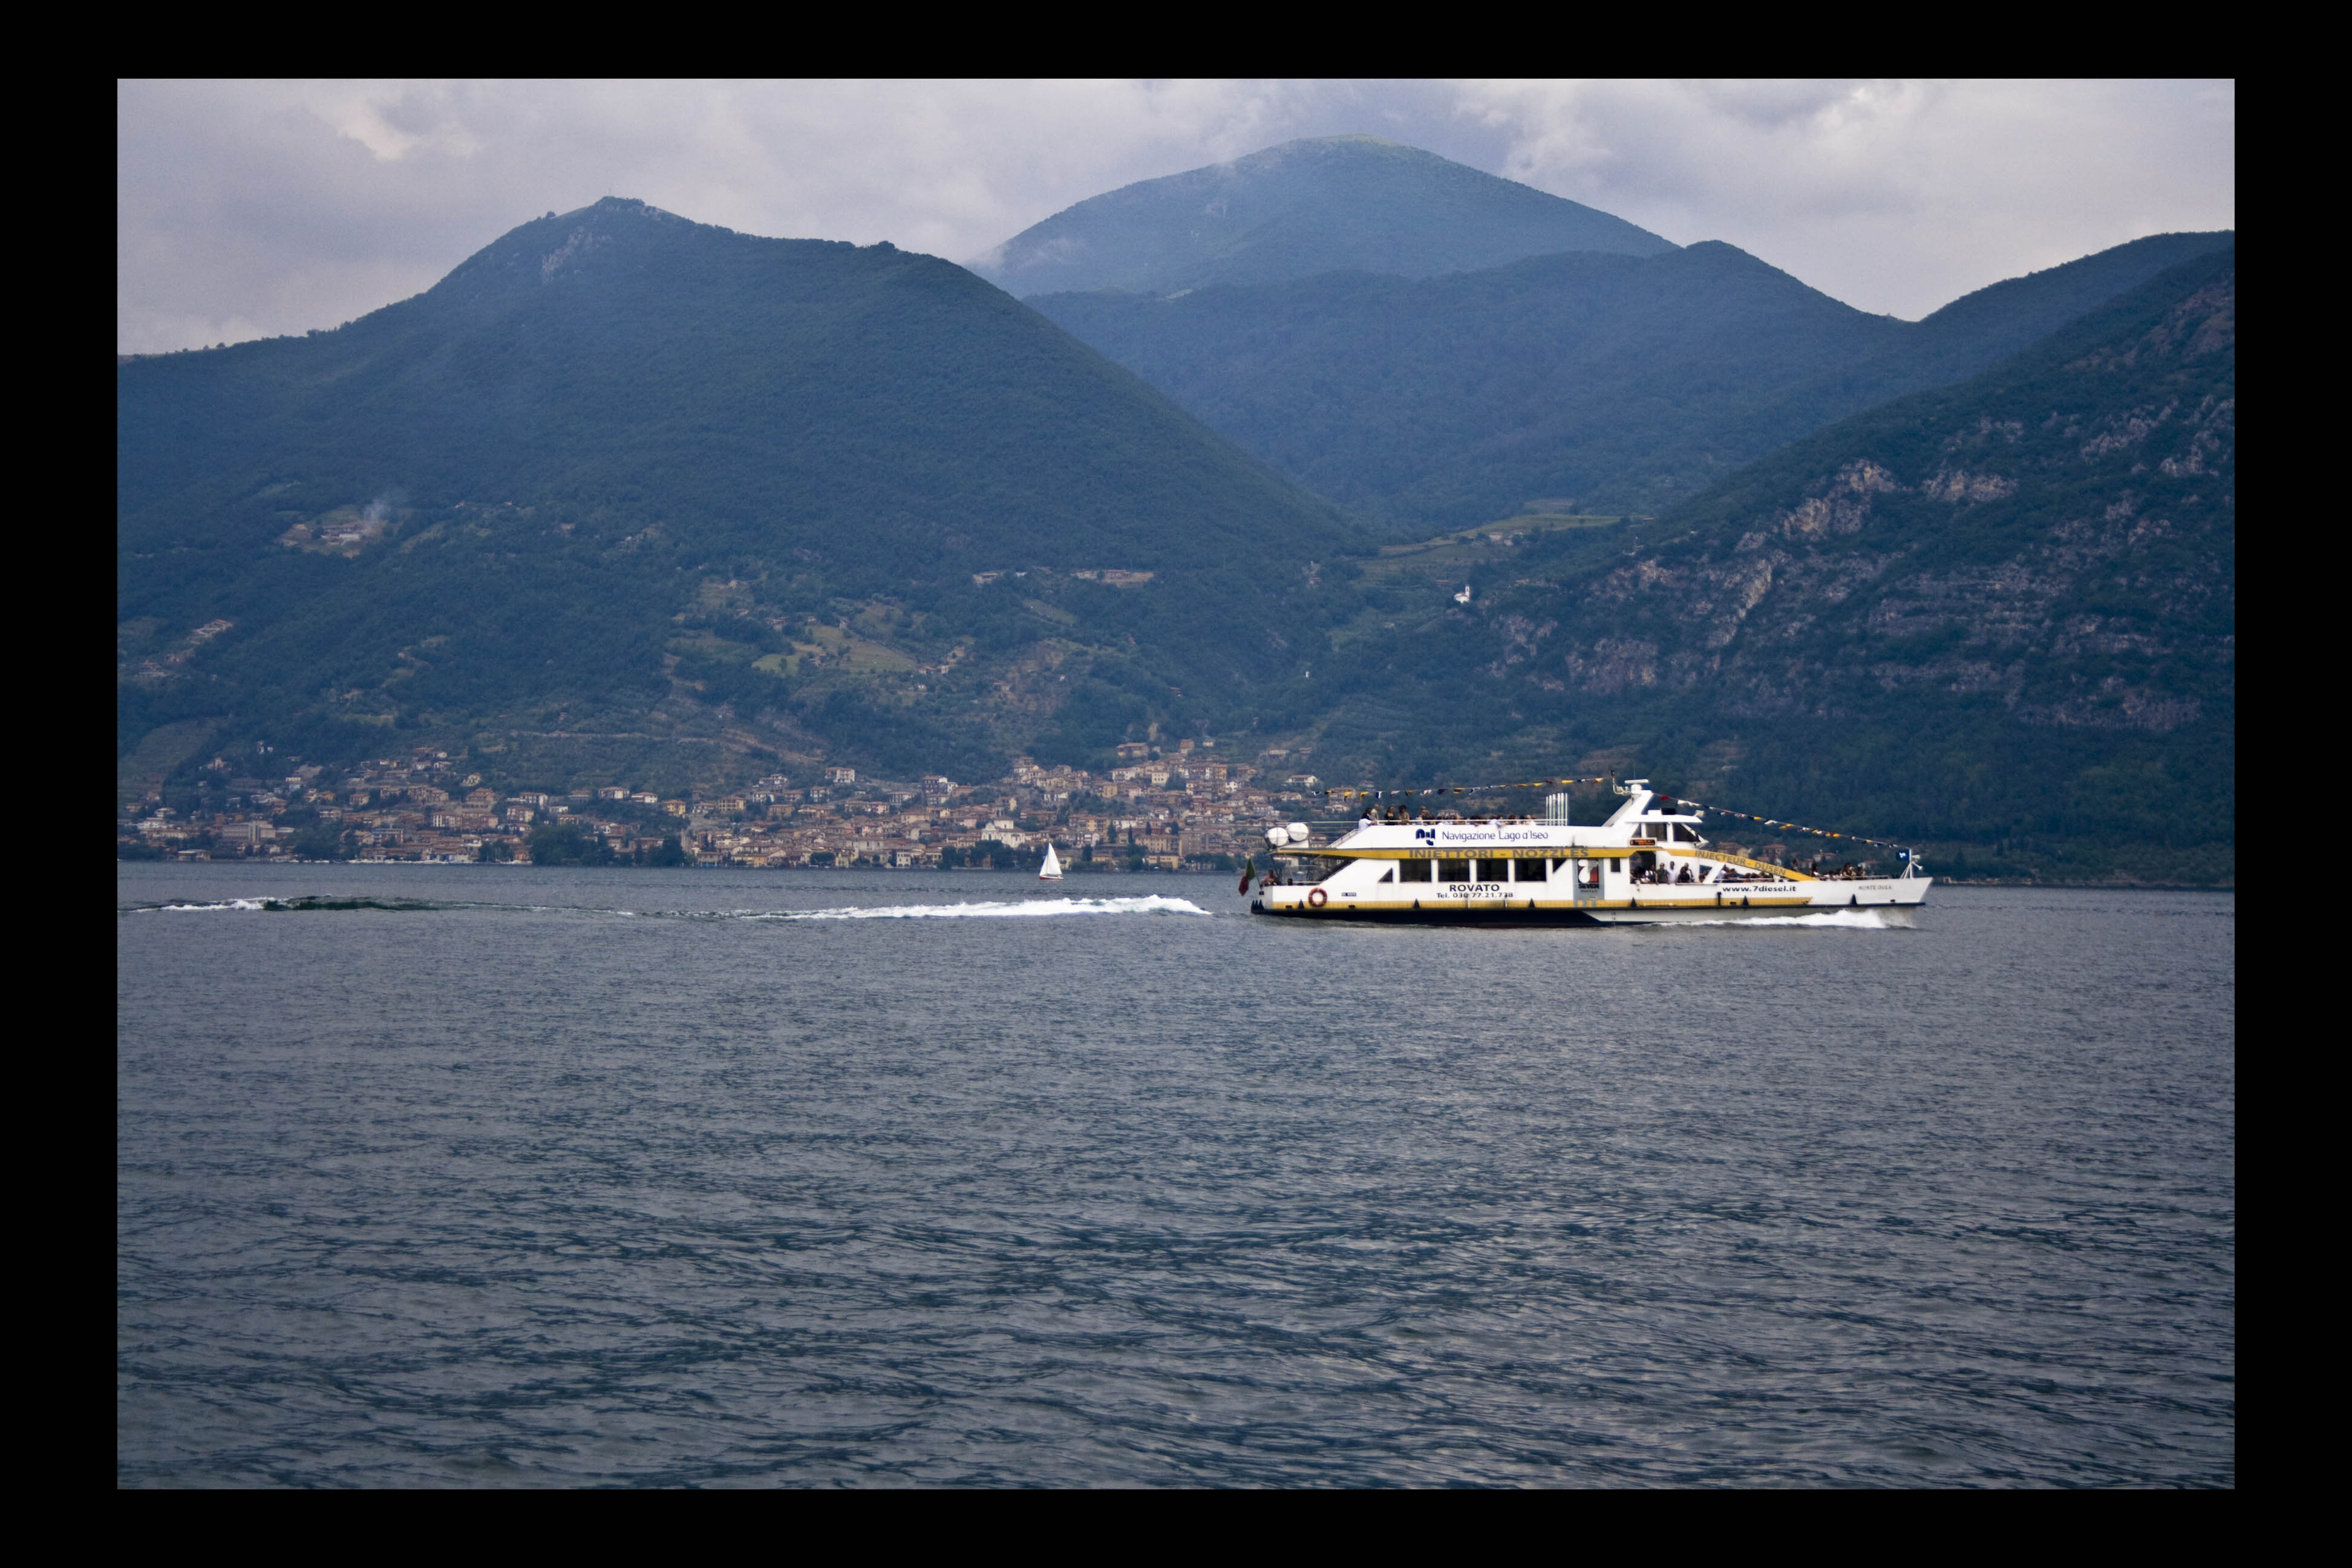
249	209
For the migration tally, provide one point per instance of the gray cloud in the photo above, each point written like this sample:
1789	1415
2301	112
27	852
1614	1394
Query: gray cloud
244	209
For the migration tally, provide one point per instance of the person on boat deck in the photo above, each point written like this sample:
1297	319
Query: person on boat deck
1366	821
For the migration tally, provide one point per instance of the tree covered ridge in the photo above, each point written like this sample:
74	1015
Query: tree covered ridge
1624	382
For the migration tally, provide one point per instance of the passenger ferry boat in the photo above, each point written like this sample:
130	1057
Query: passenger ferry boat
1646	865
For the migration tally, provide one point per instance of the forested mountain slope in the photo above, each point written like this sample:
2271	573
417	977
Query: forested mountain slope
615	460
1342	202
1608	383
1998	615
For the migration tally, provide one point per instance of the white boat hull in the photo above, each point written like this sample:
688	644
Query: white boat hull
1892	898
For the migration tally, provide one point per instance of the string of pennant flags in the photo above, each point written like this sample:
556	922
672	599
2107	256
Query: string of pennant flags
1791	826
1378	795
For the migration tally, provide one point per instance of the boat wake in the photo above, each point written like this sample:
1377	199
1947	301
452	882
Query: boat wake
1028	909
1854	920
279	906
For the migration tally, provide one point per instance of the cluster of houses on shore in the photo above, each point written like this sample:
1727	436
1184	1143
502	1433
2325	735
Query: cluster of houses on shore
1182	807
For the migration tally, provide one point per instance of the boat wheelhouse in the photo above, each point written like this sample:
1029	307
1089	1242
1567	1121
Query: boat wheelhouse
1648	863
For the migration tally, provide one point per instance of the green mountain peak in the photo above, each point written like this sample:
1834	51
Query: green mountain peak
616	445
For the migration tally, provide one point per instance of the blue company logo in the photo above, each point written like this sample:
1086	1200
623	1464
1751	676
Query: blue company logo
1420	833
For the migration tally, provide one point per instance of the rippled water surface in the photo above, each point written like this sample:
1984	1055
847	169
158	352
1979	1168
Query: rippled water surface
560	1177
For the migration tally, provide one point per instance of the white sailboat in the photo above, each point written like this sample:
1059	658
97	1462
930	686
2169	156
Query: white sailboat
1051	871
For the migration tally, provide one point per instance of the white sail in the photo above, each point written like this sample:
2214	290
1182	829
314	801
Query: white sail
1051	871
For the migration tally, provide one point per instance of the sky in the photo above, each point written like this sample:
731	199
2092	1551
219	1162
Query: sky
250	209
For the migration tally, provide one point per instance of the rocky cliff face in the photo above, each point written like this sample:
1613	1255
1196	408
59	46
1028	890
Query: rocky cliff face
2065	542
2028	581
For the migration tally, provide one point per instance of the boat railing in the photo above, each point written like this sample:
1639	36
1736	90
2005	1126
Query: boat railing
1769	870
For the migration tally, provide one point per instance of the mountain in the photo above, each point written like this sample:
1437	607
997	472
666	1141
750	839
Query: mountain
623	473
629	497
1999	617
1341	203
1612	383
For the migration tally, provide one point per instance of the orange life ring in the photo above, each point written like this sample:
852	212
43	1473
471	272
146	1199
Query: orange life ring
1316	898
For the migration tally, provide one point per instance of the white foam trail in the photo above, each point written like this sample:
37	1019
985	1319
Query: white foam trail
1030	909
199	908
1855	920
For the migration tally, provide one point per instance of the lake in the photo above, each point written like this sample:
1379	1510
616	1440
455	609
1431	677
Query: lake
520	1177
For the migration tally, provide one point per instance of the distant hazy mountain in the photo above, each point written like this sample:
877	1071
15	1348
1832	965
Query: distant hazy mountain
2001	615
1620	383
616	457
1342	203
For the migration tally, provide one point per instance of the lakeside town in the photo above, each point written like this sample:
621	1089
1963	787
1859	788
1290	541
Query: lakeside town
1182	807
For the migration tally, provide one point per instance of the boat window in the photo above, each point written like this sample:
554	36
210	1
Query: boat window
1453	870
1412	870
1387	874
1494	870
1528	871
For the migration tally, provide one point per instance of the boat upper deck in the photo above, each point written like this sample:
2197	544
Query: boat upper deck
1641	823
